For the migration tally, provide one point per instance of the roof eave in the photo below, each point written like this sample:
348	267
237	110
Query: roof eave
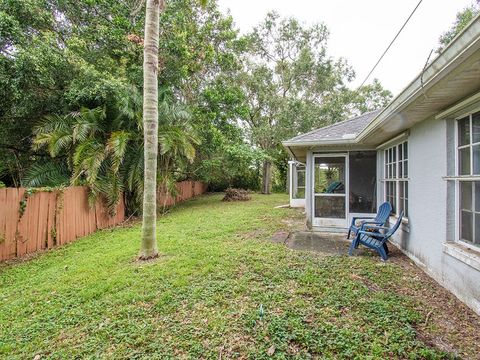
320	143
464	43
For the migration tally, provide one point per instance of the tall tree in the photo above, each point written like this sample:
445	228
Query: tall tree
462	19
292	85
150	127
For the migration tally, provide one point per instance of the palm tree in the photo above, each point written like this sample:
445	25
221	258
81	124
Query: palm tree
150	128
89	147
102	148
177	140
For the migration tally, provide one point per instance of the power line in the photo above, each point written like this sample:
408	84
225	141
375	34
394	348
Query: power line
395	38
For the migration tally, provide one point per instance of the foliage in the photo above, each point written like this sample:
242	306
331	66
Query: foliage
59	56
462	19
203	298
103	148
237	166
292	85
55	57
88	55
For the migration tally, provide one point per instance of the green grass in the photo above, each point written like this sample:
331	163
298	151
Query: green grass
203	297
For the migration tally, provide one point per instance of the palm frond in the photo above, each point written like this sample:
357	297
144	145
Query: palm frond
110	188
132	172
54	123
117	146
87	159
59	142
48	173
53	132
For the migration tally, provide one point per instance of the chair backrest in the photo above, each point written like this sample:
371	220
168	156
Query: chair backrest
395	227
383	212
332	187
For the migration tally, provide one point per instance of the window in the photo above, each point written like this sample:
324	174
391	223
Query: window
468	151
396	177
468	171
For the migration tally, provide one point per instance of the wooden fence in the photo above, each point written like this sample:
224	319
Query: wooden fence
185	189
43	220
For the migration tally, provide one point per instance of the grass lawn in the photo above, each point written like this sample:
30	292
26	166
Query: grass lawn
219	290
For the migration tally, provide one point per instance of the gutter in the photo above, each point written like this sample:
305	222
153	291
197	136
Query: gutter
462	46
463	43
318	143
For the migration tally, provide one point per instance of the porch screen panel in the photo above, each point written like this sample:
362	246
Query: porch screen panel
299	181
363	169
329	187
332	207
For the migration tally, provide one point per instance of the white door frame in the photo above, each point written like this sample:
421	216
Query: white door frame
331	222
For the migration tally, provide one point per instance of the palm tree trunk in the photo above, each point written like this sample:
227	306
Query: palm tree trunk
266	177
150	128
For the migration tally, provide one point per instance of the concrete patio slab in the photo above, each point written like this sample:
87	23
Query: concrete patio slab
325	243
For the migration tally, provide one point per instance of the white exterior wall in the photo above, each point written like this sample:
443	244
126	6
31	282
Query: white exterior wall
309	189
423	238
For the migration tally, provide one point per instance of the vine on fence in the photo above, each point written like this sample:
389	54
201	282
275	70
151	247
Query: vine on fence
30	191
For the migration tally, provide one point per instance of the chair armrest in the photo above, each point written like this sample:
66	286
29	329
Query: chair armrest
379	236
377	227
371	224
362	218
355	218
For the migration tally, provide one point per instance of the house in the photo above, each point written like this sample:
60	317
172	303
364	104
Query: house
422	154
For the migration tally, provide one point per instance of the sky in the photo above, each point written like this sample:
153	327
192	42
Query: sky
361	30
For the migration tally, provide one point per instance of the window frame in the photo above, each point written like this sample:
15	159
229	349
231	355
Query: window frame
459	179
394	167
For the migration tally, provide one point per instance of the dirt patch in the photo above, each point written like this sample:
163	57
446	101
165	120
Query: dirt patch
150	261
280	237
449	324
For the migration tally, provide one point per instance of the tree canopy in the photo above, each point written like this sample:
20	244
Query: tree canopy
293	85
463	17
71	84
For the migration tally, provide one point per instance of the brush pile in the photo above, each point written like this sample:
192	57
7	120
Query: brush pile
232	194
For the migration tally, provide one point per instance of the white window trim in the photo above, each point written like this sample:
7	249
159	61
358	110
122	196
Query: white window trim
395	144
463	253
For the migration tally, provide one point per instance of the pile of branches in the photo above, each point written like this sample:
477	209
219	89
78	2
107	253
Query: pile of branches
232	194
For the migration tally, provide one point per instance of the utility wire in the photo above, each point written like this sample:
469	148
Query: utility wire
395	38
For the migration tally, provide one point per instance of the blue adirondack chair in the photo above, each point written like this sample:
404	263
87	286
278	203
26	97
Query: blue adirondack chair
374	238
380	219
333	187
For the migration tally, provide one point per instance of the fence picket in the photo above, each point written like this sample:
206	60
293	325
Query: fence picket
58	217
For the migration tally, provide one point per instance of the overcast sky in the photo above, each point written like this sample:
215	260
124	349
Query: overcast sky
361	30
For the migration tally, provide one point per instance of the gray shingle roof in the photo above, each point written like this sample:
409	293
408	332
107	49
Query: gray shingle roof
343	130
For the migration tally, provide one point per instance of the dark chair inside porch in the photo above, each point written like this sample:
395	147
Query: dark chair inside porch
375	238
380	219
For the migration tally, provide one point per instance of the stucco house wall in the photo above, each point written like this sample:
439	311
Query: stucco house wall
425	114
427	230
